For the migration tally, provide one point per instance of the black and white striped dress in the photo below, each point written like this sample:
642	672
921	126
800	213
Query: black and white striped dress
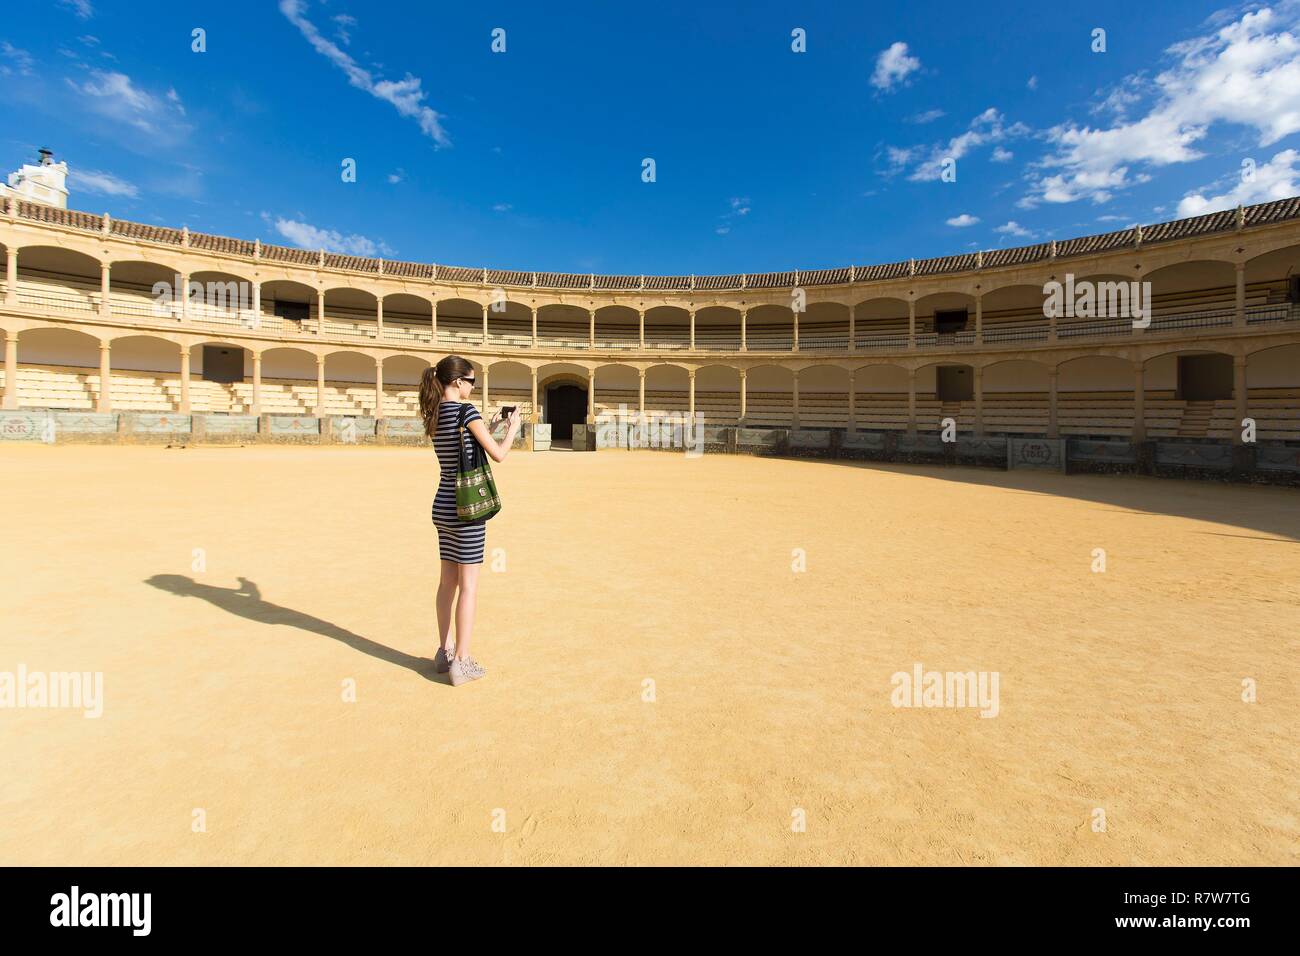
458	540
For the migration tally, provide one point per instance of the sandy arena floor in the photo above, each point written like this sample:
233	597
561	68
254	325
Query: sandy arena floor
1118	690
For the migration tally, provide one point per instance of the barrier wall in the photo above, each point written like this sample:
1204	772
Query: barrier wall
1272	463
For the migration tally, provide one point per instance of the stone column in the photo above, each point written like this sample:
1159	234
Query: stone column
692	315
485	327
320	311
591	333
853	331
641	394
11	276
1239	317
185	380
257	383
257	305
183	290
743	375
11	369
320	386
978	374
1053	429
853	395
433	321
911	321
591	396
1139	405
979	320
105	289
379	316
641	314
794	418
1239	395
795	345
1051	325
690	414
744	315
535	417
484	373
105	402
379	388
534	314
911	401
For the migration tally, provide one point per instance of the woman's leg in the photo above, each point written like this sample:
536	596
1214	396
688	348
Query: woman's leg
465	606
448	579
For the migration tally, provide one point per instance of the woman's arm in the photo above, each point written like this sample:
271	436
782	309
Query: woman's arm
497	452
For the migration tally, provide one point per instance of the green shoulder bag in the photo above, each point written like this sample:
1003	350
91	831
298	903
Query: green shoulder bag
477	498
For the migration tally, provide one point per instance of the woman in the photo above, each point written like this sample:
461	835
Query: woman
444	391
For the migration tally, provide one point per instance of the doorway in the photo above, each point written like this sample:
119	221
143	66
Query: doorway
954	383
566	406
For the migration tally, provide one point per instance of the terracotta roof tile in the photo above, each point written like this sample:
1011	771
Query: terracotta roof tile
304	257
509	277
460	274
413	270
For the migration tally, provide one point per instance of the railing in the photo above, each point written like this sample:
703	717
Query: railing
1015	332
760	339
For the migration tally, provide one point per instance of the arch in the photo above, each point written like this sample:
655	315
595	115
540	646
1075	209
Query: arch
58	280
288	362
460	322
617	327
824	327
717	328
769	328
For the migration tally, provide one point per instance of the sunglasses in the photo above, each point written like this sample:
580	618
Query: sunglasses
468	381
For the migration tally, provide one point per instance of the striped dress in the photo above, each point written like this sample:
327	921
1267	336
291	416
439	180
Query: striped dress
458	540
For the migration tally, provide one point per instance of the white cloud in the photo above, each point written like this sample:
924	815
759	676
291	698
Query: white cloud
81	8
343	31
405	95
989	127
962	221
21	59
1033	83
740	206
116	97
306	236
929	116
398	176
502	207
1276	179
1001	155
1246	74
99	183
1012	228
894	66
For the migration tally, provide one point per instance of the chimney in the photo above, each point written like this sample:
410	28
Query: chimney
47	156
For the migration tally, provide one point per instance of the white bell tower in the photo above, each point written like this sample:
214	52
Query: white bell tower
44	181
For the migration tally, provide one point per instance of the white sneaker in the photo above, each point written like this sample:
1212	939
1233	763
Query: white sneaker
463	671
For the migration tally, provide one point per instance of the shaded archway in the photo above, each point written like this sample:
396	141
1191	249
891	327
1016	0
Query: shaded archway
408	318
56	368
769	396
59	280
460	322
880	323
717	329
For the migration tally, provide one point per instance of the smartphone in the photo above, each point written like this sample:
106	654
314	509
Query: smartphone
507	411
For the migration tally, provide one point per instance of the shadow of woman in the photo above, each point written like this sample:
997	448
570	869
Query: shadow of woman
246	601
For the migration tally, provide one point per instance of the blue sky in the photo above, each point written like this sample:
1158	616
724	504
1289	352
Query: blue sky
765	159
